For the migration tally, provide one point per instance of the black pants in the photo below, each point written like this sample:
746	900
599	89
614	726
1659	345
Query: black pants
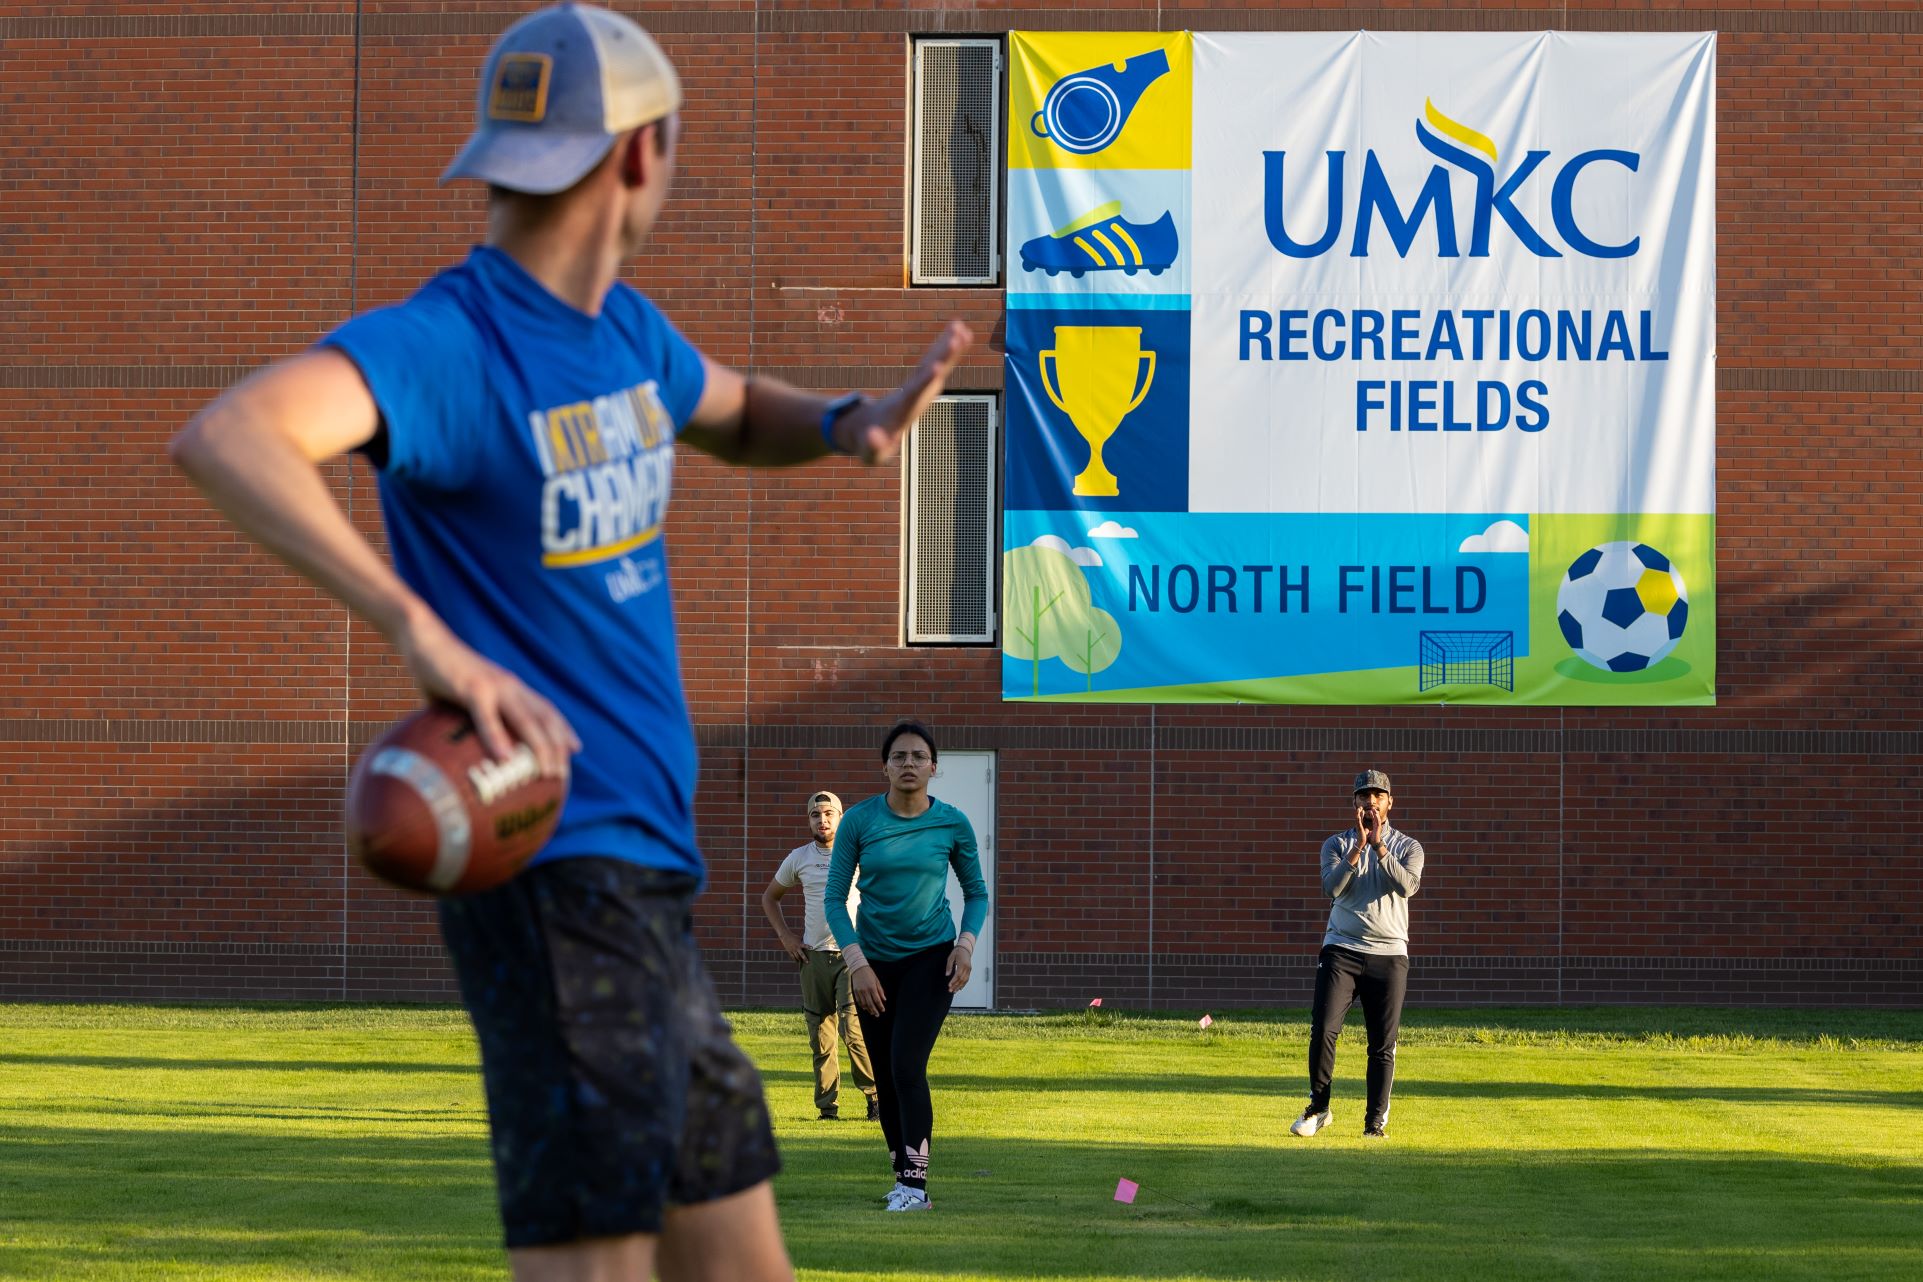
900	1039
1342	976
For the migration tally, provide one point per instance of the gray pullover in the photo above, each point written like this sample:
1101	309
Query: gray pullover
1370	913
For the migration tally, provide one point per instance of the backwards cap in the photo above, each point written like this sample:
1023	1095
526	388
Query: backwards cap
559	87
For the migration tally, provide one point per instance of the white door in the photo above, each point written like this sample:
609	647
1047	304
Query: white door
966	780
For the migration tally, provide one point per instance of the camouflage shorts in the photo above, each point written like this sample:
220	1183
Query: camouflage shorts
614	1087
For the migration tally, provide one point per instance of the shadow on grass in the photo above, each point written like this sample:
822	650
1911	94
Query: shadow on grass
1347	1210
1657	1022
88	1202
1794	1095
472	1109
174	1063
403	1207
1289	1085
1654	1022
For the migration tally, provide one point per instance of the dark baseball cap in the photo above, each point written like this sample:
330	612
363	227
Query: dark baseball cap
559	87
1372	781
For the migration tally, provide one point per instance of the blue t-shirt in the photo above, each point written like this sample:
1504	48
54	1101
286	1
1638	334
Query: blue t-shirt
524	473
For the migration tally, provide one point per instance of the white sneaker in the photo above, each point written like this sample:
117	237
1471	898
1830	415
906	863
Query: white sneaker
894	1192
1310	1122
907	1199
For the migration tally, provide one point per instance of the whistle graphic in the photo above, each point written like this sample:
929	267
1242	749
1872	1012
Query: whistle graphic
1086	110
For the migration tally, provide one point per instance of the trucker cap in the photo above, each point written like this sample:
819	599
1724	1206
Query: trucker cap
828	797
559	86
1372	781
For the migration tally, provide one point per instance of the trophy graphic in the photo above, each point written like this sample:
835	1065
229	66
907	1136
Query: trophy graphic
1096	368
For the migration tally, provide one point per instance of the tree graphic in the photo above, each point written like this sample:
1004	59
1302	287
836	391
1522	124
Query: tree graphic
1050	615
1091	644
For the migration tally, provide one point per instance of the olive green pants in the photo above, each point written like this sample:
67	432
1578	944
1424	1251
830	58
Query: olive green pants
829	1003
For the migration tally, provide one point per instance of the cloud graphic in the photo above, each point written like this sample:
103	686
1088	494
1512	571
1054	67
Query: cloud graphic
1110	530
1080	556
1503	536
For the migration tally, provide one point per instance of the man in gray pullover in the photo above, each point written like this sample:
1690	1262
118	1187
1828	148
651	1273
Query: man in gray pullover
1369	874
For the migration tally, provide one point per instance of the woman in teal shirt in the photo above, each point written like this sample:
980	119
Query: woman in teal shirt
908	962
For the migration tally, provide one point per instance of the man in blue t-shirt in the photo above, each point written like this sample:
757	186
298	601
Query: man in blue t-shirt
521	411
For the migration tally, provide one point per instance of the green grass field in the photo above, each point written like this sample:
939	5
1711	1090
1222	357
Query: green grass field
282	1143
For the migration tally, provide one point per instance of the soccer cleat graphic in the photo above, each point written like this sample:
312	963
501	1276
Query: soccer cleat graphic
1103	241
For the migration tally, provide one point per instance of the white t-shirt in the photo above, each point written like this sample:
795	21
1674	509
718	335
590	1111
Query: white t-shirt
808	866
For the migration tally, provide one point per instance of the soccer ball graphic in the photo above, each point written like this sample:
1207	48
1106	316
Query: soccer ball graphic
1622	607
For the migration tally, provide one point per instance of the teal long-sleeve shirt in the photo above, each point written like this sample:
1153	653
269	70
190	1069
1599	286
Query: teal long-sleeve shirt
904	877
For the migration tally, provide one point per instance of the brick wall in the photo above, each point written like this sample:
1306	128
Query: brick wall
195	188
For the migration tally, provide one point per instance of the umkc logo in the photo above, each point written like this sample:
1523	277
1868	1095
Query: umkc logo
1471	152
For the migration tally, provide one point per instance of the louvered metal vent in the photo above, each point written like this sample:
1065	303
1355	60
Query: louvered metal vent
957	162
952	517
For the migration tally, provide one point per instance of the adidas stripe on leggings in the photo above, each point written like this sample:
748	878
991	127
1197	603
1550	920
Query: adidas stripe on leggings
900	1040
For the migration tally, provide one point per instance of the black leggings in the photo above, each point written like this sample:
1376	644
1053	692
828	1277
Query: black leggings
1341	977
900	1040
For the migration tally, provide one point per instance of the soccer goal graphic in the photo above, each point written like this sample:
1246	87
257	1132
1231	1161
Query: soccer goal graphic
1466	659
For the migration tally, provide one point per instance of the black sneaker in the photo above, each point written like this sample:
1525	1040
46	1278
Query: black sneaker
874	1109
1375	1130
830	1115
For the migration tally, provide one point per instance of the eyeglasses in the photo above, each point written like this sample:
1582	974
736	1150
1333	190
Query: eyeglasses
908	758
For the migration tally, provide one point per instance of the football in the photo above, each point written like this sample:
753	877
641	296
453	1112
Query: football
429	810
1622	607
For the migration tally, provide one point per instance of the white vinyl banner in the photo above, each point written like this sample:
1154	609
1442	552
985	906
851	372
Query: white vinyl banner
1361	367
1550	276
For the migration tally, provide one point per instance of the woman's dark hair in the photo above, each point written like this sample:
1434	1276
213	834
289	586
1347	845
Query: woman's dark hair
909	727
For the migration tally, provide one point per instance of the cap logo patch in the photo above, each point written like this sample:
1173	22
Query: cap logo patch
521	88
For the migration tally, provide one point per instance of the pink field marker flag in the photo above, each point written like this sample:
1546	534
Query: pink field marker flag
1096	1002
1125	1190
1206	1020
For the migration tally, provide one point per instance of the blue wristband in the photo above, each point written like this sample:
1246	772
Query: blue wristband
831	418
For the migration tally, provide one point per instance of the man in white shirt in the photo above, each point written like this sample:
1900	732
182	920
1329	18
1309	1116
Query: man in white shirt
826	998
